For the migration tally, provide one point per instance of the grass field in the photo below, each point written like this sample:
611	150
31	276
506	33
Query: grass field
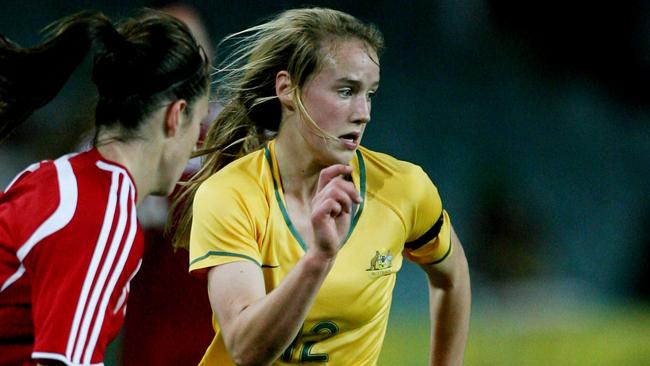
612	336
524	336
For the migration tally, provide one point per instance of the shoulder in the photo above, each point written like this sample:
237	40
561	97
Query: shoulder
44	183
383	166
35	195
402	186
29	199
244	180
34	176
39	174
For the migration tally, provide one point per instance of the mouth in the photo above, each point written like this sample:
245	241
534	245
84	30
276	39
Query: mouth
350	140
352	137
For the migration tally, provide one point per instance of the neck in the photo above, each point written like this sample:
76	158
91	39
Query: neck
299	171
132	156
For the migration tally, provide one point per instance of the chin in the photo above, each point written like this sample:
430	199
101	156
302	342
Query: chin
341	157
165	190
160	192
346	155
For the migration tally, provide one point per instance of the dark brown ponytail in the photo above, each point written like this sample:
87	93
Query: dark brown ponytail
31	77
138	65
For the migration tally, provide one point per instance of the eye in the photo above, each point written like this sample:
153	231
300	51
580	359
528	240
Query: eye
345	92
372	94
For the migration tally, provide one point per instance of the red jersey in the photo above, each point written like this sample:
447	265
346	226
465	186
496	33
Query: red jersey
70	243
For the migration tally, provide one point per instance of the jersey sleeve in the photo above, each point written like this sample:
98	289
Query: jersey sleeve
64	331
30	204
429	239
73	250
8	247
224	228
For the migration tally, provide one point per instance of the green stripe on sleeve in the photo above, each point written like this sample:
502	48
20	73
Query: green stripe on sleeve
223	254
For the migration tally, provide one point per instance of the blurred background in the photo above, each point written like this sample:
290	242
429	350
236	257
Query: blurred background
533	120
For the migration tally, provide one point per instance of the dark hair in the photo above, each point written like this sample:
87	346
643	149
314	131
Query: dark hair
146	60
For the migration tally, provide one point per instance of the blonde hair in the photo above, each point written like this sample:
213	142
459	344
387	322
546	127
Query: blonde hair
291	41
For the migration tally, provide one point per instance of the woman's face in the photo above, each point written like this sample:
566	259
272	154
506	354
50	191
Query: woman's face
184	143
338	98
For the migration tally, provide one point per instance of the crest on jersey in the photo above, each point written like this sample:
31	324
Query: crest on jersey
380	263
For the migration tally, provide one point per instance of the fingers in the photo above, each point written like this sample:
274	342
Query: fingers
331	172
335	182
332	206
328	208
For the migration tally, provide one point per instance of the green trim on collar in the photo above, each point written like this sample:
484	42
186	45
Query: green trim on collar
285	213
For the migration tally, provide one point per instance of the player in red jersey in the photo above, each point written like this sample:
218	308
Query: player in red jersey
70	241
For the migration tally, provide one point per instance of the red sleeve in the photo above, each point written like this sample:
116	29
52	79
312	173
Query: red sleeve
20	215
80	274
78	244
23	208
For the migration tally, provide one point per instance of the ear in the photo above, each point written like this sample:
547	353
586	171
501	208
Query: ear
174	117
284	88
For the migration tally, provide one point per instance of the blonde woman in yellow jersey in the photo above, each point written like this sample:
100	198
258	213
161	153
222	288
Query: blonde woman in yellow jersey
300	230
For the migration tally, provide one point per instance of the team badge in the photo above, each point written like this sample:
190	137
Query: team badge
380	264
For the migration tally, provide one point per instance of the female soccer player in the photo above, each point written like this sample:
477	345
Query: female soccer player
70	241
299	229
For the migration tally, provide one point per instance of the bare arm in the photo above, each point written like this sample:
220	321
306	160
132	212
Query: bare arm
449	304
256	326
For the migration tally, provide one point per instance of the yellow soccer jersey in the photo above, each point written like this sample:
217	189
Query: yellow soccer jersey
240	214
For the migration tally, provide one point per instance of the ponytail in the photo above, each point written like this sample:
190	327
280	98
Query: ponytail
31	77
144	62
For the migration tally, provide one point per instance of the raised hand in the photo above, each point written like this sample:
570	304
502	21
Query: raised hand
331	208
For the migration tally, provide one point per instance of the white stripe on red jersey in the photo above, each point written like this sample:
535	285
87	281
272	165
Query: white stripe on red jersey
69	245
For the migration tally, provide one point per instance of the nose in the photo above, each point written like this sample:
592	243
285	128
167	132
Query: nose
361	110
